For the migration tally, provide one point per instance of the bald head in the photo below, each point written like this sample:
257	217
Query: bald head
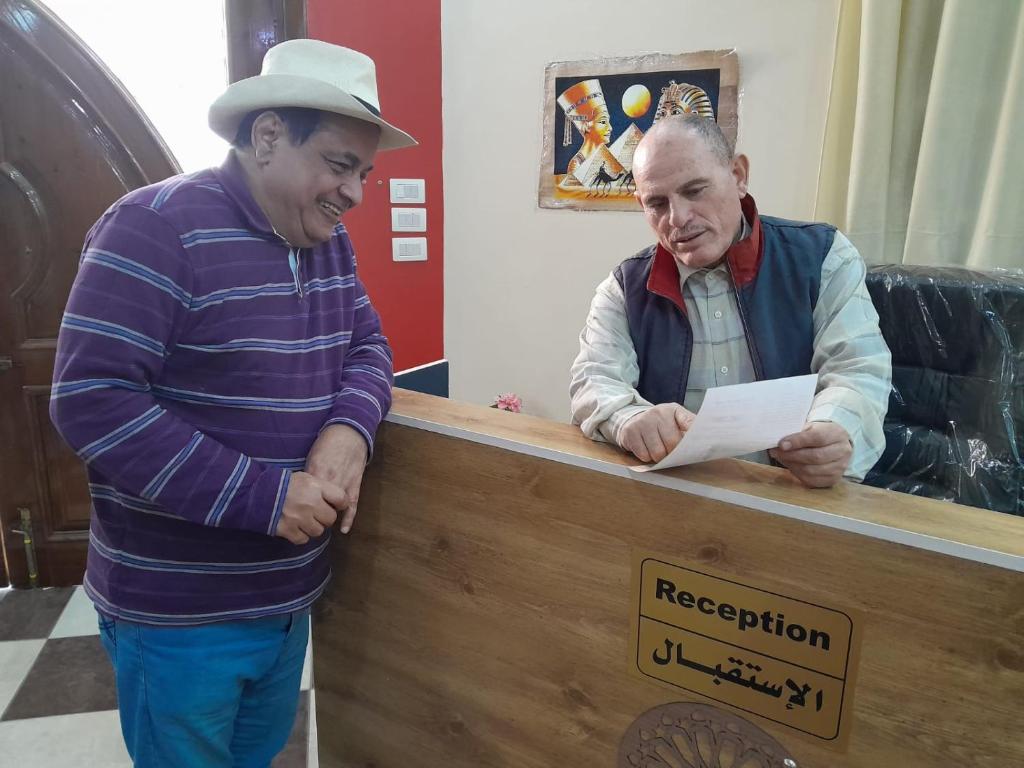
676	128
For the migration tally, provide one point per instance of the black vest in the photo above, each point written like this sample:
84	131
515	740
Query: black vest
776	306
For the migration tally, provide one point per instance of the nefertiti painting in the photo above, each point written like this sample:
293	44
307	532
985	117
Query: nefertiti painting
596	112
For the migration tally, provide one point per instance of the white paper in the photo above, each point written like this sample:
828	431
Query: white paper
743	418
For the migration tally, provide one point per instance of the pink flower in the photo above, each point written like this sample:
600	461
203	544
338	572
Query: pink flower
509	402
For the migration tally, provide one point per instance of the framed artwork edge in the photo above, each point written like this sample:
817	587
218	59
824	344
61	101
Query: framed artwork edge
724	60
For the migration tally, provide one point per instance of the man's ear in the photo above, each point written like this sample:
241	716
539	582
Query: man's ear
741	173
267	130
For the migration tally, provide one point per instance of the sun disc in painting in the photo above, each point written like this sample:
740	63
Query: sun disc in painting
636	100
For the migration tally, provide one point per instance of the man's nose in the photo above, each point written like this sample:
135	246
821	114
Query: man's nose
351	190
679	213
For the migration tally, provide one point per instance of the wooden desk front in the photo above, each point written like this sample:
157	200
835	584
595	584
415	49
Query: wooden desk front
481	610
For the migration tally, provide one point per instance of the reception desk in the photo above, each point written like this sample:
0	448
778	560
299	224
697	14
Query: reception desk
514	595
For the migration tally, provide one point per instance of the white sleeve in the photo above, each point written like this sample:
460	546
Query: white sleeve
605	373
851	358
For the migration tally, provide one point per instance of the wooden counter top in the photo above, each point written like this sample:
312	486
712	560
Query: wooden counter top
975	534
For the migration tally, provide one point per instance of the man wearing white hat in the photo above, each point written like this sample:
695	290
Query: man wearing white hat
222	372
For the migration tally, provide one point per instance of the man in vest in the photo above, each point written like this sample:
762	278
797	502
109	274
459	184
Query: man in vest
726	297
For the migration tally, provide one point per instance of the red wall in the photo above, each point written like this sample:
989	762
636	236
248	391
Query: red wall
404	40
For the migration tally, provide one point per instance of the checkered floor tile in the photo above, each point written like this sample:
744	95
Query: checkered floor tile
58	706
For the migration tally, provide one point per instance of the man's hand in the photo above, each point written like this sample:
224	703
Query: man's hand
651	435
339	456
309	508
818	455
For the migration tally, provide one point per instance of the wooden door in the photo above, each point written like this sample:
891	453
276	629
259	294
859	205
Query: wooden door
72	141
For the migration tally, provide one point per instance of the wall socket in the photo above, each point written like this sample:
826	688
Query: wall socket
408	219
408	191
409	248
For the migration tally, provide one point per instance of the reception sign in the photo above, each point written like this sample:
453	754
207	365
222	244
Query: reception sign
780	657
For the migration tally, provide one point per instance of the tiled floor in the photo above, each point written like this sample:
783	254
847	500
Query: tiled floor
57	689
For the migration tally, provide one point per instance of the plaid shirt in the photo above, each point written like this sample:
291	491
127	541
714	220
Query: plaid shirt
850	357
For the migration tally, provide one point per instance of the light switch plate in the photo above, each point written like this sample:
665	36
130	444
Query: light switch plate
408	191
409	248
408	219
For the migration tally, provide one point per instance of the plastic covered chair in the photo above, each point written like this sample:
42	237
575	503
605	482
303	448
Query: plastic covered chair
956	412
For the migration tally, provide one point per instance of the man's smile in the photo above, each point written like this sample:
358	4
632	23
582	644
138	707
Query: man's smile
331	209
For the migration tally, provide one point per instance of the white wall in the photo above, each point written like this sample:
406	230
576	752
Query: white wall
519	279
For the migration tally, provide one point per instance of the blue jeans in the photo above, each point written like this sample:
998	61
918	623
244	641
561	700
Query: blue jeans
215	695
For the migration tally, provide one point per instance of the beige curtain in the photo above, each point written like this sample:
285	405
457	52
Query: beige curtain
923	160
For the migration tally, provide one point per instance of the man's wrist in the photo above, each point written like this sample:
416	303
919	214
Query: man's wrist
356	430
618	420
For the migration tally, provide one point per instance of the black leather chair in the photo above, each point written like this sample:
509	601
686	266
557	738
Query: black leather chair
955	428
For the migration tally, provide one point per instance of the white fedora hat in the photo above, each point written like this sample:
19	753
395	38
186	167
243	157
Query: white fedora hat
312	74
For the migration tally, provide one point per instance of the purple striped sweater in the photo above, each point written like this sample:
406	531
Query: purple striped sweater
198	360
